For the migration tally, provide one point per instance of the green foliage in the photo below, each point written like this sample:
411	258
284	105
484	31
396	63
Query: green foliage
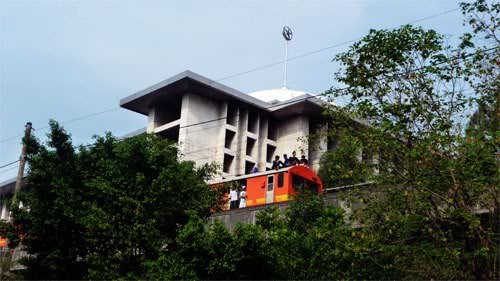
306	241
341	166
10	231
102	211
439	219
131	210
201	252
483	70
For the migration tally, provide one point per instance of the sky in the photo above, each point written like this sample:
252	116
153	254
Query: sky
68	59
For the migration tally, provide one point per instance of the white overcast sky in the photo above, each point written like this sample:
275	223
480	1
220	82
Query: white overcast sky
66	59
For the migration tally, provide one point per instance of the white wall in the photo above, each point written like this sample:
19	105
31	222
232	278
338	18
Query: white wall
291	135
201	143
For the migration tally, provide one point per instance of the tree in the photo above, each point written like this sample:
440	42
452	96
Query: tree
102	211
483	70
411	90
307	241
342	166
212	252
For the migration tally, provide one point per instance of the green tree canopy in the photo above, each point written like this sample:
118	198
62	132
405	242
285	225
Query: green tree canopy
101	211
414	95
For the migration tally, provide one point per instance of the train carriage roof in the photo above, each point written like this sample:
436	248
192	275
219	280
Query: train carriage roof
270	172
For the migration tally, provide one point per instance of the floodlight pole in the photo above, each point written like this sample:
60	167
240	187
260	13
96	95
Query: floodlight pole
287	34
286	61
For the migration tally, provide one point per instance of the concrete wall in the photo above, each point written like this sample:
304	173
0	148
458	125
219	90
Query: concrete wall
291	136
231	218
206	143
317	147
201	143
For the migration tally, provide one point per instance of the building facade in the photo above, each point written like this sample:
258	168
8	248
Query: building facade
215	123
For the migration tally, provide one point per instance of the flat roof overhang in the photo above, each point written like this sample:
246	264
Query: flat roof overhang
180	84
7	187
302	105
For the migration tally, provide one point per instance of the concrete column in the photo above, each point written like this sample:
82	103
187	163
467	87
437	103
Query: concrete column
261	143
319	147
221	138
376	161
151	120
184	122
241	144
5	213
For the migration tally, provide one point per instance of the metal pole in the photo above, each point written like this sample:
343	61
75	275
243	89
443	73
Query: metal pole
22	163
286	60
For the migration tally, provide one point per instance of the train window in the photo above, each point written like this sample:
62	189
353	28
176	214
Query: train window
299	183
270	183
312	185
281	178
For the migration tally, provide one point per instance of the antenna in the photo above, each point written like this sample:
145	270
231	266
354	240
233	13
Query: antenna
287	34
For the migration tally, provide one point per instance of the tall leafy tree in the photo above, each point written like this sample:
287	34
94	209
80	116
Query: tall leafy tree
102	211
416	94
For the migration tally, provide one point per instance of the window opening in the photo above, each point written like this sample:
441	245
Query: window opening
281	178
270	183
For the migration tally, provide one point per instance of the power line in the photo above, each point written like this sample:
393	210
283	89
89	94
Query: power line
338	90
68	121
3	166
243	140
433	16
327	48
463	58
256	69
9	169
455	60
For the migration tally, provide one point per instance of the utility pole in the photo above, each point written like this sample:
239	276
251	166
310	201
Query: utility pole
22	162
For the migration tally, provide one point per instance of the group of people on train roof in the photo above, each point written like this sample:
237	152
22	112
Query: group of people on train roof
289	161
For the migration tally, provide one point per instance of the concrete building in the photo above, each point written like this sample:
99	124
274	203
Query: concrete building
213	122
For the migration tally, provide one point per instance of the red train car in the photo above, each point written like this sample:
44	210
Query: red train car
275	185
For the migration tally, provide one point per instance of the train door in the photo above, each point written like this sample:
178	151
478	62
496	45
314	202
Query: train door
270	189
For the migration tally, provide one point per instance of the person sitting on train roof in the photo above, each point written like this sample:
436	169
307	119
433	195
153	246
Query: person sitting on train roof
243	197
233	197
286	160
277	163
294	160
303	160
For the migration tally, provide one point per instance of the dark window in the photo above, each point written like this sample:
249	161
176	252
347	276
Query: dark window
232	114
228	161
312	185
229	139
270	153
248	167
250	146
171	134
272	131
299	183
252	122
280	179
270	183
